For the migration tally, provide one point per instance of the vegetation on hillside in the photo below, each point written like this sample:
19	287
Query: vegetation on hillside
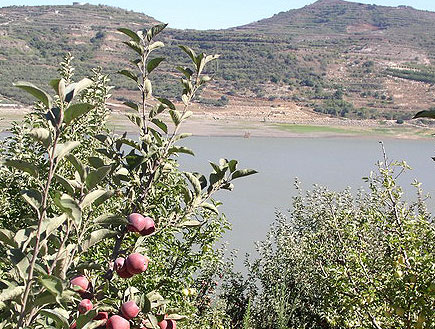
302	56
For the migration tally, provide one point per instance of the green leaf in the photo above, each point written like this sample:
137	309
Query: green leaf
96	176
69	205
176	317
95	324
51	224
154	63
7	237
200	63
22	165
36	92
148	88
11	293
129	75
60	319
86	318
195	183
91	197
75	111
78	165
175	116
54	115
132	105
97	236
159	123
191	223
167	102
186	71
138	48
156	29
52	284
135	119
41	135
210	207
185	99
20	260
75	89
232	165
130	33
180	149
186	115
205	78
64	149
59	87
129	142
146	305
153	320
65	183
155	45
189	52
24	236
182	136
157	109
44	298
242	173
210	58
111	219
425	114
33	197
134	160
96	162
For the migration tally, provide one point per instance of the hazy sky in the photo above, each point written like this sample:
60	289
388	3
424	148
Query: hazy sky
213	14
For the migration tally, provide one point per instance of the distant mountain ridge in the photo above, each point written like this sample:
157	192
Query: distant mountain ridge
333	56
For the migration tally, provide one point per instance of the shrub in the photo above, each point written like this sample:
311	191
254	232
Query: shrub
349	261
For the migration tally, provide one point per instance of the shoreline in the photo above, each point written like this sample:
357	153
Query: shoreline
213	125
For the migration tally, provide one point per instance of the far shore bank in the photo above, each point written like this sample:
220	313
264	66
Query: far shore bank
210	125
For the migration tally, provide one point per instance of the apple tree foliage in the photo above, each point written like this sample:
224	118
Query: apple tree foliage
349	261
68	185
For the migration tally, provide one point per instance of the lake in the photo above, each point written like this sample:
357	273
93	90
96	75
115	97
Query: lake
334	162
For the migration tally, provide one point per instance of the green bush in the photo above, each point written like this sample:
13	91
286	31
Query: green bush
349	261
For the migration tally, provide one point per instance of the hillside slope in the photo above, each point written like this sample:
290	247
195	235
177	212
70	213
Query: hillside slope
335	57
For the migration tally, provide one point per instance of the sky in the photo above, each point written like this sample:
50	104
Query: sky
213	14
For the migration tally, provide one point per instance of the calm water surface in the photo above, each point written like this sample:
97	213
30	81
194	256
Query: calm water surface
334	162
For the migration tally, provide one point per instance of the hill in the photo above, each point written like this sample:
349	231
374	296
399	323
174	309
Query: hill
336	57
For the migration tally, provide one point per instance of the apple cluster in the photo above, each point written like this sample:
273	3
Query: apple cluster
129	310
135	263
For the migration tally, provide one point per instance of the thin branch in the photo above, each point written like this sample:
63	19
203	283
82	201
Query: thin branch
38	231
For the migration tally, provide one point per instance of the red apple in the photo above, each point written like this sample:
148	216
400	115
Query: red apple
85	305
101	316
136	263
130	310
121	268
167	324
124	273
73	326
80	281
136	222
149	227
119	263
117	322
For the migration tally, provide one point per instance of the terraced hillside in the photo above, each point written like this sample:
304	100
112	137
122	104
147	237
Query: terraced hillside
335	57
